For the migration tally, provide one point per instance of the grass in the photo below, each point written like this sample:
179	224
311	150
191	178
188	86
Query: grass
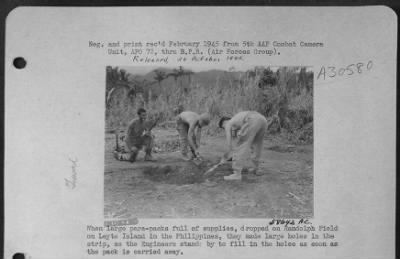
292	109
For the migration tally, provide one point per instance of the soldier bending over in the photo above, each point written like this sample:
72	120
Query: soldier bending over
244	133
189	126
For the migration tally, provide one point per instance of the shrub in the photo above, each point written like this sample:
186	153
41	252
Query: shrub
284	97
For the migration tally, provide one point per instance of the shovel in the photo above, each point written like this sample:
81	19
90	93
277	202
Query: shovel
197	161
217	165
213	168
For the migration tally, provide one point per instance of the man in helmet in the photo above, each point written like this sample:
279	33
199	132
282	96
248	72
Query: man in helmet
189	125
244	134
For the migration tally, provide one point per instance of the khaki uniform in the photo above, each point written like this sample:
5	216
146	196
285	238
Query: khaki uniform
245	134
188	127
137	137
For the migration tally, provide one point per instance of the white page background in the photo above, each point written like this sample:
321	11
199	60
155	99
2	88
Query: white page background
54	111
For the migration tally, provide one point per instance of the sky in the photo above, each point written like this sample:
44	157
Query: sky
141	70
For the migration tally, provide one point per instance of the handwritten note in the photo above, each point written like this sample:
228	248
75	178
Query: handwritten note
358	68
71	183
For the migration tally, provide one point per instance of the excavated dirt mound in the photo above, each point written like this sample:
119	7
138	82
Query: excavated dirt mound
174	188
282	149
189	173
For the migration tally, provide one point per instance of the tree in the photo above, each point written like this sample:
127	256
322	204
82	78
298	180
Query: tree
181	72
123	75
117	78
160	76
268	78
175	74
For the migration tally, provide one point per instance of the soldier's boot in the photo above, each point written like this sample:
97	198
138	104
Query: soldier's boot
117	155
133	155
237	175
148	157
188	156
129	156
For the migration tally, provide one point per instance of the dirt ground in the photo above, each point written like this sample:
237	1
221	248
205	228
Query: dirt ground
174	188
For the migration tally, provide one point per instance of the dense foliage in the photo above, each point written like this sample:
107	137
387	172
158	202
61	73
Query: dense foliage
284	96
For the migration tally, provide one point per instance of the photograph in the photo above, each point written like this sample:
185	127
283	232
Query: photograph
201	142
247	132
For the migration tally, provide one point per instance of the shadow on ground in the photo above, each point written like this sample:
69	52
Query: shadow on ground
174	188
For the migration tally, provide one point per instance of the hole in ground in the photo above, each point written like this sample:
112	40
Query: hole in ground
189	173
283	149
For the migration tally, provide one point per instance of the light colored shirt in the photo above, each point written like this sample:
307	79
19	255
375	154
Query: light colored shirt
233	126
